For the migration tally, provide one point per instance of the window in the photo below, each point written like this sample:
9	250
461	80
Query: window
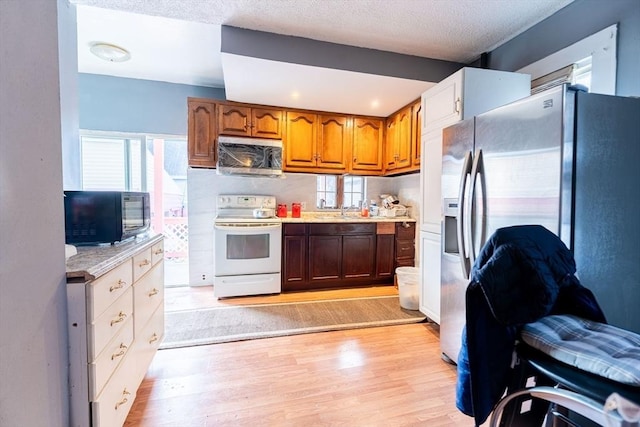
112	163
353	190
333	191
155	164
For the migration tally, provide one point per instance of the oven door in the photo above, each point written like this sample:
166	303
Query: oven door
247	248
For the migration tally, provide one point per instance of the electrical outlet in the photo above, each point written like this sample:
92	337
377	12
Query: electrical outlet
303	206
204	277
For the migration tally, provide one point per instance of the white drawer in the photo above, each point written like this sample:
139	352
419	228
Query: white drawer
141	264
112	406
105	365
147	343
148	294
109	324
157	252
105	290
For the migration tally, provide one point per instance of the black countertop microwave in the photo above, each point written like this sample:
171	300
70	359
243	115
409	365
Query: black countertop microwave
94	217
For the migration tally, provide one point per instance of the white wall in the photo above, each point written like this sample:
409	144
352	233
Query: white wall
33	335
204	185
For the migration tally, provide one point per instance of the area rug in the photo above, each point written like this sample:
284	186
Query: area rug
225	324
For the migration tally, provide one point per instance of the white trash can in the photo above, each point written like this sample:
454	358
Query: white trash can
408	281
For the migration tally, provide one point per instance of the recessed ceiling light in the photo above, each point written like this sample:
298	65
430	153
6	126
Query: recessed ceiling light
375	103
295	94
109	52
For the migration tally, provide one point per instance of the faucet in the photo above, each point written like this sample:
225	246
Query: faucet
344	210
322	203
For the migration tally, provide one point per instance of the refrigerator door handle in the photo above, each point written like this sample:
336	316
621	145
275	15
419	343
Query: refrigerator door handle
462	247
477	170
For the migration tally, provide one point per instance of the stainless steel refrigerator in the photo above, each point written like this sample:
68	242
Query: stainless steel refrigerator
564	159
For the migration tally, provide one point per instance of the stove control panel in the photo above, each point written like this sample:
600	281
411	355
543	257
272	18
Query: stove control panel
236	201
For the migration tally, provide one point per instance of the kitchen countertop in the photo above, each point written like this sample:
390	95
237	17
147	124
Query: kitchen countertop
92	262
333	217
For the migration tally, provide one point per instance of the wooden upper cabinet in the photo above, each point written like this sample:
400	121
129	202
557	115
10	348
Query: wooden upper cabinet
316	142
368	140
256	122
300	140
416	133
398	141
334	137
266	123
202	133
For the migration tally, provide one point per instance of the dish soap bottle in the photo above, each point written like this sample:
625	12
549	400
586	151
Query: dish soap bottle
364	212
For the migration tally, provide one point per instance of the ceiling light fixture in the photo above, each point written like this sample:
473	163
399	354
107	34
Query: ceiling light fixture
109	52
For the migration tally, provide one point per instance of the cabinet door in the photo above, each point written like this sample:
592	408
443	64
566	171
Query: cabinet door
384	255
334	137
390	143
325	258
416	132
403	139
442	103
300	140
359	255
266	123
294	262
202	133
430	177
368	141
234	120
398	141
430	271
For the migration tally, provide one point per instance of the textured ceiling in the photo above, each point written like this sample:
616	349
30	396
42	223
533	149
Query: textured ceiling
179	40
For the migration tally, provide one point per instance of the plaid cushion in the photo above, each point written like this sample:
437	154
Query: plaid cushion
598	348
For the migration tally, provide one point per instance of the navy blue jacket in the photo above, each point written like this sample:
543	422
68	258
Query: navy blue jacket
522	274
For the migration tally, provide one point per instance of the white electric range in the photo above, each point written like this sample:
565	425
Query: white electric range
247	253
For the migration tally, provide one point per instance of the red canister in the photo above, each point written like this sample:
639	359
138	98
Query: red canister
282	210
296	208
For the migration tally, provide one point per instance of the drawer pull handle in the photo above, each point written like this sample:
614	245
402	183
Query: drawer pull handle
124	399
121	316
145	262
123	350
153	292
153	339
158	251
119	285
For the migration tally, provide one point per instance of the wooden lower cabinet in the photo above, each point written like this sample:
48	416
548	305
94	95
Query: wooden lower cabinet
324	256
385	244
405	244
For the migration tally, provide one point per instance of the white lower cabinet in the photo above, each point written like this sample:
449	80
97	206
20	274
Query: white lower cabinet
430	271
116	324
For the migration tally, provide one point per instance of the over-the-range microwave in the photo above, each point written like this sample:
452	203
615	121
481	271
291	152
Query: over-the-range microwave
94	217
249	156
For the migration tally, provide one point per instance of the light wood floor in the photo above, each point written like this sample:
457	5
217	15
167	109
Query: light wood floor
386	376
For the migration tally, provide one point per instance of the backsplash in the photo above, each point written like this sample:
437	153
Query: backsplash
204	185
